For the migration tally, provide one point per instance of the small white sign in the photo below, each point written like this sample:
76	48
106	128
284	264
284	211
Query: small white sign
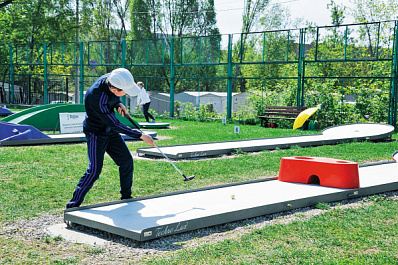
71	122
224	121
237	129
148	233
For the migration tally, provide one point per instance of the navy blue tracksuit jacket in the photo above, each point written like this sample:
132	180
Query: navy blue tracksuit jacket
102	130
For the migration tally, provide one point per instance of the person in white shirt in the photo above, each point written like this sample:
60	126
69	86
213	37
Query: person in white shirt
144	101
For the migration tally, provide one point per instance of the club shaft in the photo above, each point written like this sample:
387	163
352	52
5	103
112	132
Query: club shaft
168	159
157	147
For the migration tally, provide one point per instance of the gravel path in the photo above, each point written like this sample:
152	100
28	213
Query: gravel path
124	250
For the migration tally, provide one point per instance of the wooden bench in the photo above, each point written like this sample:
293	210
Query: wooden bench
280	113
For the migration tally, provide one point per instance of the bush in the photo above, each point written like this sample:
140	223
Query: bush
188	111
371	102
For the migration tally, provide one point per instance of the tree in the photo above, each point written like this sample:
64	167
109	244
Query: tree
37	21
5	3
337	13
251	16
159	20
29	24
122	14
172	18
252	12
276	17
366	11
144	18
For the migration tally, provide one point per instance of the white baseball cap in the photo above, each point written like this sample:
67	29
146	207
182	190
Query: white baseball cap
121	78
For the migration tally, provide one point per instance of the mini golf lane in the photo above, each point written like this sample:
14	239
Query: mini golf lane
153	217
64	138
154	125
332	135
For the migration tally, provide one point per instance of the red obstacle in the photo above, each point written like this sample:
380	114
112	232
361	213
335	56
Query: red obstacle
324	171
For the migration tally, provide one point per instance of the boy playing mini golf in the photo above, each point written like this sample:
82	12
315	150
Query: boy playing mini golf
102	130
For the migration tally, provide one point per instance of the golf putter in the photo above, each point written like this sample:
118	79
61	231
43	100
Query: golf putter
136	125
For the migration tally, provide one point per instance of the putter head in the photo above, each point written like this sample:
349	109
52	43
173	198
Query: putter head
189	178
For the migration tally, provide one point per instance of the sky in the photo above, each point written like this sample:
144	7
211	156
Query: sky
229	12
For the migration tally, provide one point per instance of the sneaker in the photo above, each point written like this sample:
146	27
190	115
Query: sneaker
153	121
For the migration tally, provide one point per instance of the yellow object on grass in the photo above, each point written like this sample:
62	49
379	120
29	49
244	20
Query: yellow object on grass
303	116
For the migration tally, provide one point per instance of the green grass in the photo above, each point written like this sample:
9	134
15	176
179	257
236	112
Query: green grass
41	179
38	179
351	236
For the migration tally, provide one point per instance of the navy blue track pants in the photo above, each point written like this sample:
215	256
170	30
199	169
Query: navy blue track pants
97	145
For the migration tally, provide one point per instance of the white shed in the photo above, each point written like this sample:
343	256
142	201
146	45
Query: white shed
217	99
160	102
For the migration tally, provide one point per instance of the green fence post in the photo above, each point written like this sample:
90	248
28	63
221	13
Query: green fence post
262	98
301	102
147	51
300	68
378	41
200	49
263	46
45	86
230	76
81	81
345	42
392	108
11	63
287	46
163	51
199	98
124	53
316	44
241	48
116	51
172	77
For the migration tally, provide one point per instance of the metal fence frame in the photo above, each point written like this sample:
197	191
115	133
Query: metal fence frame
173	57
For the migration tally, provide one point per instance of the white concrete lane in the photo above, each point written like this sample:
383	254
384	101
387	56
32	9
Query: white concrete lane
178	213
329	136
